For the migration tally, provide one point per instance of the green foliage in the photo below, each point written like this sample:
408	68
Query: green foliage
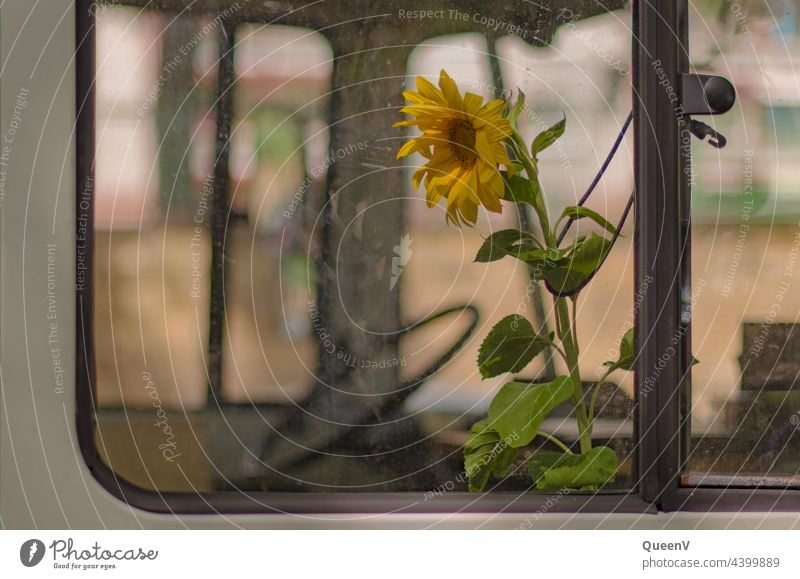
521	190
541	260
585	257
510	346
518	409
486	454
516	109
626	354
552	471
563	269
579	212
506	242
548	137
522	246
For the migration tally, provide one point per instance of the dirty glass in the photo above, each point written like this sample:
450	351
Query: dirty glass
744	405
276	307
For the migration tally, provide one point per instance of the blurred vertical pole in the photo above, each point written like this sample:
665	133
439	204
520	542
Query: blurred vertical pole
220	206
177	102
538	293
356	314
363	217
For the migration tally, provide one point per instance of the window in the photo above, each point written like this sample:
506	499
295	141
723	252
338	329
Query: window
274	316
743	251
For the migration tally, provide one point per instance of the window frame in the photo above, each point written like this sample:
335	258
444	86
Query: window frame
660	252
663	253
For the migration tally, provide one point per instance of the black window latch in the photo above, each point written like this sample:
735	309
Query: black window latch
702	130
705	94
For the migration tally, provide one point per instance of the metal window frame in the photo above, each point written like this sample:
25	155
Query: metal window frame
663	253
660	253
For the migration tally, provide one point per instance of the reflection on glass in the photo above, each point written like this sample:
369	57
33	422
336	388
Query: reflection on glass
330	253
745	248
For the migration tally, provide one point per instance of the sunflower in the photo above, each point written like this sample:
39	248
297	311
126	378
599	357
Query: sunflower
463	141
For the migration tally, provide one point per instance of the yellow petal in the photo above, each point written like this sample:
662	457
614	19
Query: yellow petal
486	172
492	109
472	104
435	111
426	89
491	189
458	189
433	196
414	97
469	212
483	147
445	178
418	175
452	214
497	130
450	90
465	186
410	147
500	154
442	153
472	184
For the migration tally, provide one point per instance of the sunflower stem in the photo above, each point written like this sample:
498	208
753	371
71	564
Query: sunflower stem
533	176
555	441
566	327
568	339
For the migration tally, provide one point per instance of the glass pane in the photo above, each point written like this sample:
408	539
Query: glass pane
154	144
745	243
353	313
283	83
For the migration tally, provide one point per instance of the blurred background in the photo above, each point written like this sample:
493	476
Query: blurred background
329	252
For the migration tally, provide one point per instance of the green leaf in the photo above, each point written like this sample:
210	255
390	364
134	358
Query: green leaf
541	259
524	190
588	254
548	137
517	410
520	245
626	353
584	258
510	346
485	455
538	197
579	212
506	242
520	190
553	471
517	109
517	166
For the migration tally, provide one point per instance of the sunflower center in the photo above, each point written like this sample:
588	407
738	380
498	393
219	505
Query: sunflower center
461	138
